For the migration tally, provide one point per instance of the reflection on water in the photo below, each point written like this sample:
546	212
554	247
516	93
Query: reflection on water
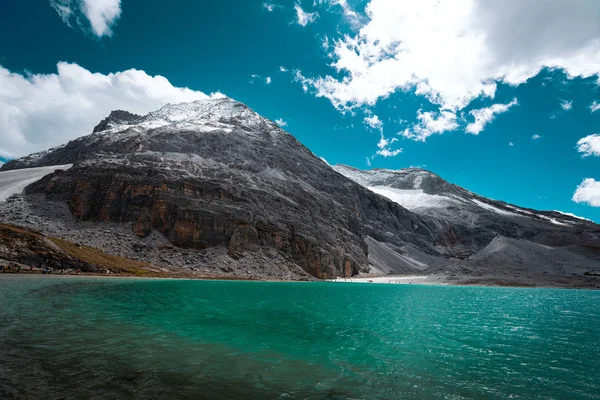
125	338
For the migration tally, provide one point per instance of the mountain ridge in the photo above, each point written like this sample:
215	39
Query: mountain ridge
213	177
359	175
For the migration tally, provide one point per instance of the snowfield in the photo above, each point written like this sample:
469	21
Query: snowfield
413	199
13	182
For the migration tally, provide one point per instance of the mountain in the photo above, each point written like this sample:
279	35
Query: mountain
211	187
509	243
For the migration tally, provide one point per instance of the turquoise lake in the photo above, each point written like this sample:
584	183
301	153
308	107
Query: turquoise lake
72	338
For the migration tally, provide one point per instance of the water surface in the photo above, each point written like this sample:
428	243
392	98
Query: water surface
129	338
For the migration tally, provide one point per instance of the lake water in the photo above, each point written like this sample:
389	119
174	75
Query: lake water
63	338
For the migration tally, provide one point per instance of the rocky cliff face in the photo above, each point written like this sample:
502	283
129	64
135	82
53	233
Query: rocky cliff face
214	176
214	173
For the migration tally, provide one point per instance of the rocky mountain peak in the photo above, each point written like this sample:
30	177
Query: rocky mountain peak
116	118
221	113
224	107
219	186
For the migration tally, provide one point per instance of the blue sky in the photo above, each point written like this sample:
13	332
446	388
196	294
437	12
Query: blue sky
499	99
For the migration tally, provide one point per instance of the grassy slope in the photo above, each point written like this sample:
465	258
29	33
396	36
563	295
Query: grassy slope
23	243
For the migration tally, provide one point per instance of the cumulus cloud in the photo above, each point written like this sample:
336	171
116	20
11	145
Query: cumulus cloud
384	146
589	145
536	137
566	105
588	192
283	69
280	122
453	52
595	106
41	111
511	144
268	80
374	122
100	14
430	123
389	153
484	116
304	18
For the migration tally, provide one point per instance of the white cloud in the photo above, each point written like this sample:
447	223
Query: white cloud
63	8
326	43
455	51
388	152
566	104
101	14
41	111
588	192
368	161
385	149
280	122
595	106
283	69
352	16
536	137
257	78
484	116
589	145
269	6
374	122
430	123
304	18
511	144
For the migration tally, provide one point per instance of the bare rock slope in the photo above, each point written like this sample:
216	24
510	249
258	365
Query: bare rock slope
508	244
213	186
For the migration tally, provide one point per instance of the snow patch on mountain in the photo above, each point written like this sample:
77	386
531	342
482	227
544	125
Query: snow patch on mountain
201	116
490	207
380	177
413	199
13	182
573	215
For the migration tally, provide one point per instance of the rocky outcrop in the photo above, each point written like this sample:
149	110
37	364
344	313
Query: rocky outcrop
540	239
117	118
214	178
20	247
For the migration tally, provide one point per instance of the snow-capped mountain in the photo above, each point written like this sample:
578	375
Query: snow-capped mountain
425	193
209	114
212	186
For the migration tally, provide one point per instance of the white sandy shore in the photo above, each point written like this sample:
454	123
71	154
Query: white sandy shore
404	280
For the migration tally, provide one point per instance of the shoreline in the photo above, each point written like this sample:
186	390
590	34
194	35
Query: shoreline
393	280
417	280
